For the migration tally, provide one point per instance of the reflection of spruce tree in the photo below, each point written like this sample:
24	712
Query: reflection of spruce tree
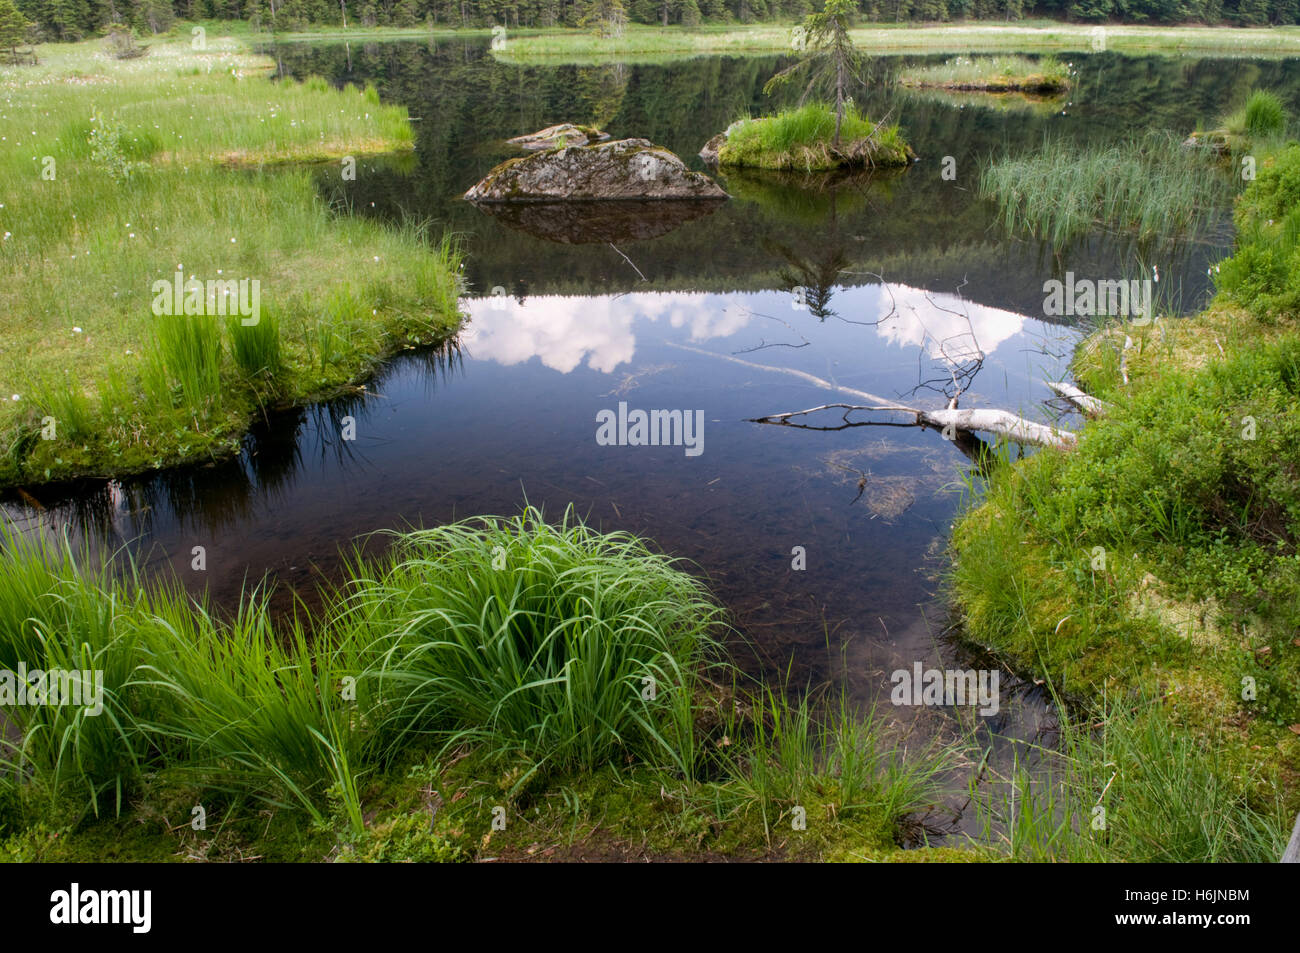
600	91
816	276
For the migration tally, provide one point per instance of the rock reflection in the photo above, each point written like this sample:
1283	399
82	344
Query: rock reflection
586	223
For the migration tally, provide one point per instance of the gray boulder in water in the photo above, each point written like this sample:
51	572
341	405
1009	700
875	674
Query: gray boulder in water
624	169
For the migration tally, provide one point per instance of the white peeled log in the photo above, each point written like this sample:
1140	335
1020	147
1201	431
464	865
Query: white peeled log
1089	405
1000	422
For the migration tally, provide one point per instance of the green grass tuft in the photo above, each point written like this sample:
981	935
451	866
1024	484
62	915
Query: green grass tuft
1130	786
803	139
188	355
1265	115
569	647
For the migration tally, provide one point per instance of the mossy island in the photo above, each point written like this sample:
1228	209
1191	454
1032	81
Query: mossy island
805	139
826	135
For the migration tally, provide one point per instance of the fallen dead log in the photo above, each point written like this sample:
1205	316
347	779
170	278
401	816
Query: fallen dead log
1089	405
1002	423
950	420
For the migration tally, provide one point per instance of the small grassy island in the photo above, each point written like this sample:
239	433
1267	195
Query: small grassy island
816	137
993	74
804	139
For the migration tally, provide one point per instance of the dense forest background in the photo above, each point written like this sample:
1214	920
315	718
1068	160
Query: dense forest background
75	19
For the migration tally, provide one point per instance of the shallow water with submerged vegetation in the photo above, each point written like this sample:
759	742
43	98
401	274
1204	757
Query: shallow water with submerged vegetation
750	308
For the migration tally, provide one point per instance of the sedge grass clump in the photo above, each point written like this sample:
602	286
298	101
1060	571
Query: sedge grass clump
236	705
558	643
252	709
793	751
64	408
1258	126
1262	117
255	347
1265	114
188	355
59	613
802	139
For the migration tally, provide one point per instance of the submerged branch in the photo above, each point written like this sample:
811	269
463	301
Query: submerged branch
802	375
1000	422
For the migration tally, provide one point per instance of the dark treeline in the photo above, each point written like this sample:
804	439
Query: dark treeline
75	19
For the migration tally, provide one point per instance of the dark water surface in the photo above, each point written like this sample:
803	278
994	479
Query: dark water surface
734	311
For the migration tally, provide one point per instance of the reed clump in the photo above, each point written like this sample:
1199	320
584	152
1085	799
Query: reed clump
1064	191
